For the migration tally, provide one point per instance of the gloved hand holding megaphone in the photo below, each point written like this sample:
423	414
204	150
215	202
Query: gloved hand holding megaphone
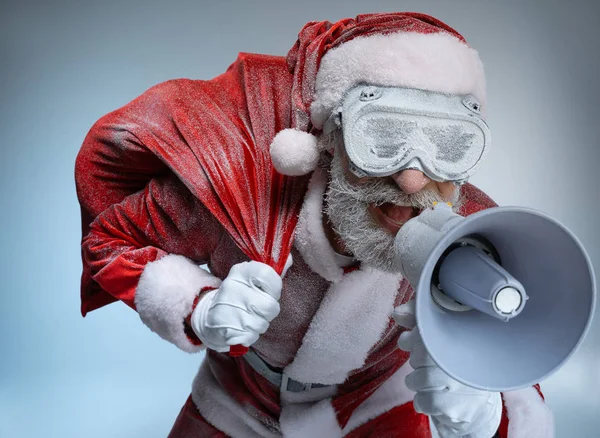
455	409
503	297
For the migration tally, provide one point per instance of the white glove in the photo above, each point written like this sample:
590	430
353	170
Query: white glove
456	410
241	309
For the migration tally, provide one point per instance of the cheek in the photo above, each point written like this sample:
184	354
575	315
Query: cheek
447	189
350	177
355	180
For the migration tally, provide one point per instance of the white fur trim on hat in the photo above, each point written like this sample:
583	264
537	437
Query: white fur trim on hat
294	152
435	61
165	295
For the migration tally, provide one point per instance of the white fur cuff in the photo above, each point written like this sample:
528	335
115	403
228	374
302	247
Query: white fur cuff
528	415
165	295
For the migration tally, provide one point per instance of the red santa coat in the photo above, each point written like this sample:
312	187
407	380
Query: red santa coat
151	229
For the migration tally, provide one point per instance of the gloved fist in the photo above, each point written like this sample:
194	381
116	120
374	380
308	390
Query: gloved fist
241	309
456	410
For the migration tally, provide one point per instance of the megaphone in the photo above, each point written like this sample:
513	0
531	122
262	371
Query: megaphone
503	297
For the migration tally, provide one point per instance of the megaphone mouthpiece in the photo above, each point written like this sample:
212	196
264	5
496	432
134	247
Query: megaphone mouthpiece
472	278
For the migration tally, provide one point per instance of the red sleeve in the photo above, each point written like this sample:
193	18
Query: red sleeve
163	218
473	200
146	252
111	165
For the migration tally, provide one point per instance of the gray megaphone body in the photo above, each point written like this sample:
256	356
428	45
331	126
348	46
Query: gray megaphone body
503	297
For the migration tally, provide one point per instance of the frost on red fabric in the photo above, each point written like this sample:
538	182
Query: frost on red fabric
474	200
214	136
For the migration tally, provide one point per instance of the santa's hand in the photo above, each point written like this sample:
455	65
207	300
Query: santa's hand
241	309
456	410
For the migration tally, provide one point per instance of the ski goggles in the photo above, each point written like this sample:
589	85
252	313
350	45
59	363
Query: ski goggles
389	129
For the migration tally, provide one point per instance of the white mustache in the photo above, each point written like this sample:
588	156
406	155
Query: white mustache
381	191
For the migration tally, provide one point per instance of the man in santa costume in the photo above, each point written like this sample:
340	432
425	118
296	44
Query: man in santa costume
154	176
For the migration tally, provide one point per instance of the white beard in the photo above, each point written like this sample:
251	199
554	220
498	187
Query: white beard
347	210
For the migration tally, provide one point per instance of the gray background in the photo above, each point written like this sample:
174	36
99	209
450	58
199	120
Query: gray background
65	64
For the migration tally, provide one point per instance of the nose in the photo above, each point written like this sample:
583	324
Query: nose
411	180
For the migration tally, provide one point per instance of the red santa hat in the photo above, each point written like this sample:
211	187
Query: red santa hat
390	49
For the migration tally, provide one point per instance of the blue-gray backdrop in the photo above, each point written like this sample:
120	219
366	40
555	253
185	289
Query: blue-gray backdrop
64	64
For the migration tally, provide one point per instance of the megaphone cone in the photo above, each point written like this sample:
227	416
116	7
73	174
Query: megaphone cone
545	258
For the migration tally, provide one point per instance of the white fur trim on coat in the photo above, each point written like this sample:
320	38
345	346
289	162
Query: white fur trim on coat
318	419
393	392
223	411
436	61
355	310
302	420
165	294
310	238
351	319
528	415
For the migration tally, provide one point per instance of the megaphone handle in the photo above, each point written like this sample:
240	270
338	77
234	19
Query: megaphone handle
237	350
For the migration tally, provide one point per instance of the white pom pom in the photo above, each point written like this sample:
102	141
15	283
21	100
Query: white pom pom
294	152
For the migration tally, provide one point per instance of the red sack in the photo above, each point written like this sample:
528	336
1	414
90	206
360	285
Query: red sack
215	136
